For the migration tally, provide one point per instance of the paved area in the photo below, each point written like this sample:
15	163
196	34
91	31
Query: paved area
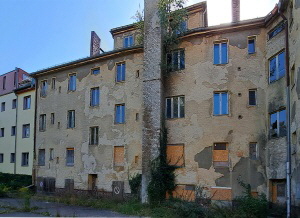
9	206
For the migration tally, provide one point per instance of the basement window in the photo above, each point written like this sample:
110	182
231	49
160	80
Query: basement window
119	155
70	157
41	158
277	67
220	155
176	60
175	107
278	124
221	52
175	155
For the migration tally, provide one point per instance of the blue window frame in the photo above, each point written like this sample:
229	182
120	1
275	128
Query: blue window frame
276	30
95	97
278	124
95	71
221	53
72	82
121	71
120	113
221	103
128	41
251	45
277	67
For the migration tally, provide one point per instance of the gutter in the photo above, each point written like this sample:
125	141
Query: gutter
288	105
34	134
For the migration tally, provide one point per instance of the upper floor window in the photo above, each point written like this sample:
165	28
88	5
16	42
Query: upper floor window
277	66
4	82
128	41
94	135
13	130
221	52
72	82
121	71
41	157
2	132
276	30
252	97
42	122
70	157
25	159
26	131
221	103
2	106
53	83
95	71
176	60
52	118
120	113
44	87
1	157
95	97
251	44
182	27
220	155
175	107
14	104
253	154
71	119
278	123
26	102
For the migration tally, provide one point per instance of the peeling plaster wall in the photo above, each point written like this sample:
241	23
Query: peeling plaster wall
199	130
91	159
295	97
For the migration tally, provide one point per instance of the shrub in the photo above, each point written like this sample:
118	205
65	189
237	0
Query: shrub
15	181
186	209
4	190
135	184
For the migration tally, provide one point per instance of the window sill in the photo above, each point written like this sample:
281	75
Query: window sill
26	109
94	107
120	123
175	118
221	64
24	165
70	128
42	130
71	91
93	144
120	82
221	115
69	165
272	82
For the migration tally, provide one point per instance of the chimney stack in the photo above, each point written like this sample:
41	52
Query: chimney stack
95	44
235	8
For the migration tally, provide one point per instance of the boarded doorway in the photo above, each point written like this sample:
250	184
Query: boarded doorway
278	191
92	182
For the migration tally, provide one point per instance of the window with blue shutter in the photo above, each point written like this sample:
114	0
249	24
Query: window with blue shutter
120	114
221	53
121	71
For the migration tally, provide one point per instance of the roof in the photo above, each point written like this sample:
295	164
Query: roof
88	59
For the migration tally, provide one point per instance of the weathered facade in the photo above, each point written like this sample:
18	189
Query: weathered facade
224	102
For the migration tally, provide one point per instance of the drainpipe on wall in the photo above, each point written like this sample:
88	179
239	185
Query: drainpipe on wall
34	134
16	134
288	103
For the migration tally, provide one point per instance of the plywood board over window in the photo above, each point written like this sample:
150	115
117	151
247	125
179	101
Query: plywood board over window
220	154
184	192
175	155
119	155
221	193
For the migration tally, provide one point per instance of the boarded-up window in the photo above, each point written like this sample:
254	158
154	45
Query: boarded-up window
69	185
220	155
175	155
184	192
221	193
119	155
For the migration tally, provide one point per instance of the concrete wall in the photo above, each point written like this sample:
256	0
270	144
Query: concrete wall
7	143
25	145
92	159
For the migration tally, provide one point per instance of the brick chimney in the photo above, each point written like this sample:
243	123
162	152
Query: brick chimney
95	44
235	8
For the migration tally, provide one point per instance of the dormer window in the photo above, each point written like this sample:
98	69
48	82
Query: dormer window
128	41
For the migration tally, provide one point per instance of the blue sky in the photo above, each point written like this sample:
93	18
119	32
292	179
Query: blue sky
36	34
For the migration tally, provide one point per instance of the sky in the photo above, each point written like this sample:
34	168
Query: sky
37	34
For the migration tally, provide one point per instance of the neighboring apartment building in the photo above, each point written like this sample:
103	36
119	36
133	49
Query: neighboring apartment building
11	120
225	108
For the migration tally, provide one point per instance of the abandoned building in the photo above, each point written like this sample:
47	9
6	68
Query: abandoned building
17	95
225	105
